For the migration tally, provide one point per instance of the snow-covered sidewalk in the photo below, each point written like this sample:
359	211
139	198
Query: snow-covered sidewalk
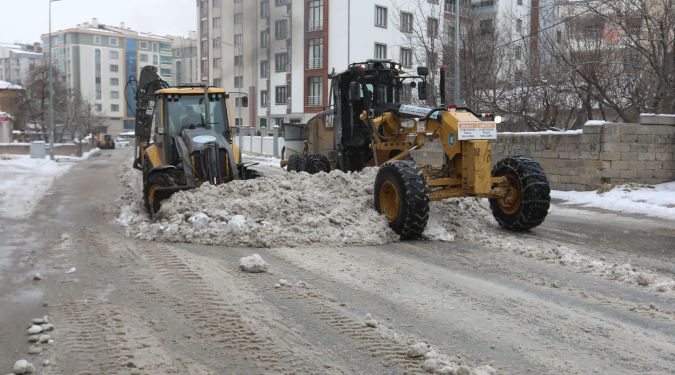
656	201
24	181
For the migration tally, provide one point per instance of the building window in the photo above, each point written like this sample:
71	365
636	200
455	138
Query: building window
114	108
113	41
264	68
143	57
281	95
432	27
99	108
114	95
238	121
217	82
264	99
264	9
406	57
114	68
406	22
485	26
216	22
314	99
264	39
380	16
114	81
155	60
216	43
114	55
97	39
143	44
238	18
238	39
315	54
518	52
315	15
520	2
281	62
204	25
380	51
205	66
155	46
216	63
216	3
519	25
237	102
97	73
238	82
280	29
239	60
280	3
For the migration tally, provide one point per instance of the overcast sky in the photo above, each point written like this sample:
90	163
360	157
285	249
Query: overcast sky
26	20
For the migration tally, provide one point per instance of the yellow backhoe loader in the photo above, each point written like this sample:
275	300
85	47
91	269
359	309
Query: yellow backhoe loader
183	138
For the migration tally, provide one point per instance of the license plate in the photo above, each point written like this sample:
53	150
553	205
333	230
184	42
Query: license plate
477	130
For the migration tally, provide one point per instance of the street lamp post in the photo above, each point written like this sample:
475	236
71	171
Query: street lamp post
51	87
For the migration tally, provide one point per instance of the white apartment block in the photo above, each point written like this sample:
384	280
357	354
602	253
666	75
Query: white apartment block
96	60
18	61
185	59
280	52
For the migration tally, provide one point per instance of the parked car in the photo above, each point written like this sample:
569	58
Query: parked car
122	142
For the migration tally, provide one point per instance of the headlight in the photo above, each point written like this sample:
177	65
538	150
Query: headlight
498	119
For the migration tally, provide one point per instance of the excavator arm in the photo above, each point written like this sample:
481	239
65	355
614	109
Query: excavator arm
148	83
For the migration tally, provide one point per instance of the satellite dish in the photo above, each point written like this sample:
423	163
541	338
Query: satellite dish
204	139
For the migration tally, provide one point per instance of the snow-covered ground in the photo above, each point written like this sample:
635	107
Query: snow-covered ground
24	181
269	161
656	201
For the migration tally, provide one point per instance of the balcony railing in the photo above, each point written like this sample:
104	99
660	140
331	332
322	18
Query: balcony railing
315	63
314	101
314	25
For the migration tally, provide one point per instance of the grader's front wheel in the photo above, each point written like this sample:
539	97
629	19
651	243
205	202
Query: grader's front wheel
527	196
401	195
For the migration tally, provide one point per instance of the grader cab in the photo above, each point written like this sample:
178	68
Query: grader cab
425	153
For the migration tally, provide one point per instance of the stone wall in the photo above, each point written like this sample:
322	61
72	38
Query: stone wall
602	153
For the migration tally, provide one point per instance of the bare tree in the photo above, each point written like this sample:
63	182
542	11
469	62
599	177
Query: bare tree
422	33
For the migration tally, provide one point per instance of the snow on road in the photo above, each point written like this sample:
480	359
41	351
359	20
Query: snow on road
336	209
24	182
656	201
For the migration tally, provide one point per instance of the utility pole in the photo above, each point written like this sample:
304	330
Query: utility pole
51	88
458	40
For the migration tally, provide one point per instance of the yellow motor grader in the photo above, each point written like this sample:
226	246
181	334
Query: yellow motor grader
424	153
183	138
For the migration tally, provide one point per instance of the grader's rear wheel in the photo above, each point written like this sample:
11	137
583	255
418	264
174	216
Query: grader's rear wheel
527	197
317	163
401	195
296	162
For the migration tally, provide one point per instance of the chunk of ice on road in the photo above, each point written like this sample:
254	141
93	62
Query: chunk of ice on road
253	264
418	349
199	221
237	223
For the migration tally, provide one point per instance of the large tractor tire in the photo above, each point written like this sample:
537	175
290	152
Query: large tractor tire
317	163
401	195
528	196
296	162
152	197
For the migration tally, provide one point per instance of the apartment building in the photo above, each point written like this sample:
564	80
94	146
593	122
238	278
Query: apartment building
96	61
185	59
280	52
17	61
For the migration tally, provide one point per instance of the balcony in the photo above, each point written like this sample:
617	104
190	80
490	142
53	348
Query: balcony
314	101
315	63
314	26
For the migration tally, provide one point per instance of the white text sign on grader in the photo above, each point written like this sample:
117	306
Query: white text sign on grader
476	130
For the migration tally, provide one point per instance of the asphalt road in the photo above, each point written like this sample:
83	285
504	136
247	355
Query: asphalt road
135	307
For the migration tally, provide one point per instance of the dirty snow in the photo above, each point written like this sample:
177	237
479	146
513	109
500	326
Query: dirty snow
253	264
651	200
24	182
336	209
291	209
269	161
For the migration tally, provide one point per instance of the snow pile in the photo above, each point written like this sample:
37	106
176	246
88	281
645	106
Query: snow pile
24	182
435	363
291	209
656	201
